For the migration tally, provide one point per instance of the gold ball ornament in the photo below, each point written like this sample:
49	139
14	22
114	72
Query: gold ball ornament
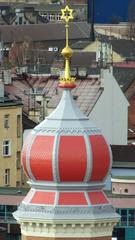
67	52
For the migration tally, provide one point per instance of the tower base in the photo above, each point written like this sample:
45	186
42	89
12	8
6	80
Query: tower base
66	222
47	238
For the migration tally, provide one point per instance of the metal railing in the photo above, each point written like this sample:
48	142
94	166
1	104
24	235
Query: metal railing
6	217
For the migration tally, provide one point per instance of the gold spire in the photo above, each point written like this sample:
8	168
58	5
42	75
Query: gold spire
67	81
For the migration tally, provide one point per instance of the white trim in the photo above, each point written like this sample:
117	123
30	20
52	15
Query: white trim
89	159
69	186
30	197
117	180
110	155
28	157
106	198
56	198
87	198
55	167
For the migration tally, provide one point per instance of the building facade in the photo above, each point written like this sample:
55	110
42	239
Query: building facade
110	113
33	13
10	142
124	201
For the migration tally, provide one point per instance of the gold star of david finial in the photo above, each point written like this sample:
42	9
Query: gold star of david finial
67	14
67	81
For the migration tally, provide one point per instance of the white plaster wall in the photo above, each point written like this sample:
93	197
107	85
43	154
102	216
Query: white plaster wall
110	113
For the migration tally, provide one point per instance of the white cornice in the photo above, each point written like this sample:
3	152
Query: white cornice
70	230
119	180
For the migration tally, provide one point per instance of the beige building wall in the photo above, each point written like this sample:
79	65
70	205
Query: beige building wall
10	145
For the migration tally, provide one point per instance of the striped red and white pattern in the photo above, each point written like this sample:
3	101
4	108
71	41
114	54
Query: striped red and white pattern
66	158
66	198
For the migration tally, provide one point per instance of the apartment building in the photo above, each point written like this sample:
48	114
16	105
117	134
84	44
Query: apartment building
10	140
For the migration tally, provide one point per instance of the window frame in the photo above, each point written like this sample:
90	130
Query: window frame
6	120
7	177
18	160
18	125
4	145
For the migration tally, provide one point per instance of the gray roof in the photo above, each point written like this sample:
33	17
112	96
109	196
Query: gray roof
123	156
44	32
6	101
55	7
80	45
124	76
83	59
126	48
41	6
4	4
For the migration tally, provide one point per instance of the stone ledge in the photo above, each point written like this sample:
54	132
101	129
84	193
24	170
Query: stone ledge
79	230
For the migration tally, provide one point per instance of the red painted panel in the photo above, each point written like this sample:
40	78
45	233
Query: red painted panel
69	198
97	198
72	158
24	152
101	158
43	198
41	158
64	85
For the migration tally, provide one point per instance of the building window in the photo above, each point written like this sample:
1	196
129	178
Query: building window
20	20
6	121
6	148
131	215
126	190
3	12
113	189
7	177
58	17
18	125
51	17
18	160
124	217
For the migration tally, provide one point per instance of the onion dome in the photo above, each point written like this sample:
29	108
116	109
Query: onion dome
66	152
66	148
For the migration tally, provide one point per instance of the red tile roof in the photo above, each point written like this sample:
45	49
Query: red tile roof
86	94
